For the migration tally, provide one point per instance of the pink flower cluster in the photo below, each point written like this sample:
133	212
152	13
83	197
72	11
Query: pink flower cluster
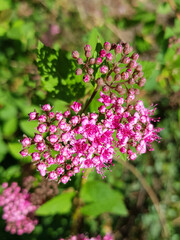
18	211
83	237
89	141
122	124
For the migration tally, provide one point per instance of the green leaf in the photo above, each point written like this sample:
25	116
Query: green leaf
3	148
94	38
60	204
164	8
10	127
28	127
5	4
169	32
57	70
15	148
100	198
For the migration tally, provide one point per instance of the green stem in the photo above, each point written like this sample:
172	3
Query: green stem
91	98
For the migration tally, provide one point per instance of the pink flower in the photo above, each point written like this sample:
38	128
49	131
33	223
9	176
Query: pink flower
76	107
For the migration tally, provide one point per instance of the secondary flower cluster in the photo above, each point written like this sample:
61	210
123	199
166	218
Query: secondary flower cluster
18	211
114	68
83	237
66	142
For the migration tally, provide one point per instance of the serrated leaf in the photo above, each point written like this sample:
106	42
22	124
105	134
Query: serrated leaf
28	127
60	204
100	198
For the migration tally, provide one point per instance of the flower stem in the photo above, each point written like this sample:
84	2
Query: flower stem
91	98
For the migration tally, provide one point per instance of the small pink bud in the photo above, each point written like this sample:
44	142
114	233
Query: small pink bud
105	88
46	154
90	71
52	175
76	169
57	147
79	71
24	153
124	75
102	53
100	82
86	78
41	146
76	107
38	138
42	128
68	166
42	168
51	115
80	61
52	128
58	116
65	179
104	69
53	138
117	70
51	160
87	47
60	159
92	61
35	156
26	142
67	113
46	107
75	54
126	60
42	118
59	170
88	54
133	64
117	77
107	46
118	49
70	173
33	115
135	56
98	60
109	57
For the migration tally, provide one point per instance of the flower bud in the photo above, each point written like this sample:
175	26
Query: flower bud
104	69
107	46
124	75
92	61
90	71
46	107
126	60
33	115
109	78
118	49
133	64
105	88
88	54
87	47
139	68
102	53
117	77
80	61
86	78
79	71
117	70
141	82
109	57
98	60
100	82
75	54
135	56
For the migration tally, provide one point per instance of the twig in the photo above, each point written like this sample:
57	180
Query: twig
151	194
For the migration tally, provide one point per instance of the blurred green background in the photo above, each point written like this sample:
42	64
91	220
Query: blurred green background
28	78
